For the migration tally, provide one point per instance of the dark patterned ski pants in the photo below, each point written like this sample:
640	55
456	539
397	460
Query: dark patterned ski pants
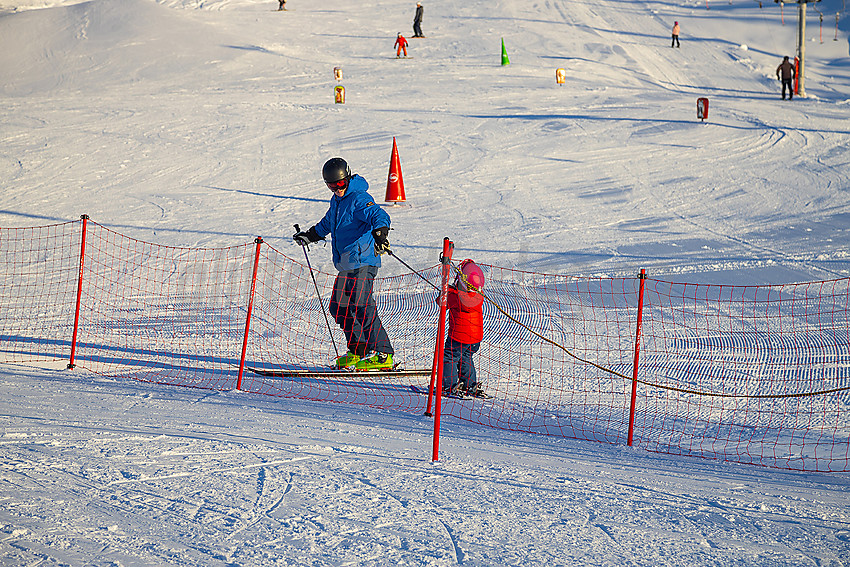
353	308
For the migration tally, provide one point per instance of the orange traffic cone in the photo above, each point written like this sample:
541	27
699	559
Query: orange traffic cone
395	182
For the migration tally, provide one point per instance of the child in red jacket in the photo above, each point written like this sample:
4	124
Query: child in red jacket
400	43
466	329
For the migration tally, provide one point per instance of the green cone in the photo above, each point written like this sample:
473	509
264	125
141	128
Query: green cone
505	60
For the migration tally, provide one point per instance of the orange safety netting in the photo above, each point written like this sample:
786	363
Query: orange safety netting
752	374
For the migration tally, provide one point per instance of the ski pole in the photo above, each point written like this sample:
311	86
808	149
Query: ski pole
318	295
405	264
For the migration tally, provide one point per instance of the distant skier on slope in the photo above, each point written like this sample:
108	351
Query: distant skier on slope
417	20
676	29
786	73
400	44
359	229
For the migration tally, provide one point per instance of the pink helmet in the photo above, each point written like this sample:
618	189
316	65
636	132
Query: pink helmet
472	273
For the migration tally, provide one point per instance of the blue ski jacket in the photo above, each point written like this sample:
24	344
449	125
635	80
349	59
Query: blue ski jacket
350	221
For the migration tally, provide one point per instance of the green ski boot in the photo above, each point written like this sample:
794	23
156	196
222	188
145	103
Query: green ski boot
378	361
348	360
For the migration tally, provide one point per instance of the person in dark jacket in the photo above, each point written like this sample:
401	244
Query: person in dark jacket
786	73
466	329
417	20
358	228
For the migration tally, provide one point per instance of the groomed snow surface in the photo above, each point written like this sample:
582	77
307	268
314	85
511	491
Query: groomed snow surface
204	123
109	473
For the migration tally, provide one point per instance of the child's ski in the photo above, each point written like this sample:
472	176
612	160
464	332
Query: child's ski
483	396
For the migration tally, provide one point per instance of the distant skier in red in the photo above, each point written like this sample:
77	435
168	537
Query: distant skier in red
401	45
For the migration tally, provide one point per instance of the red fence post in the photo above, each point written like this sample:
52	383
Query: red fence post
437	372
85	219
428	411
637	357
259	241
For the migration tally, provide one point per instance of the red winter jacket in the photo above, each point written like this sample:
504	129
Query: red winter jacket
400	41
466	316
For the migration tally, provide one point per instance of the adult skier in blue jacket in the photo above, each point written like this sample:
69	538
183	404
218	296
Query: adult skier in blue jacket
358	228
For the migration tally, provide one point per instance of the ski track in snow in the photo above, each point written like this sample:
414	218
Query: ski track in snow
187	478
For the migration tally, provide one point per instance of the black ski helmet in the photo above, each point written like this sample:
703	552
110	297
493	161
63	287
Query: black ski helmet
335	169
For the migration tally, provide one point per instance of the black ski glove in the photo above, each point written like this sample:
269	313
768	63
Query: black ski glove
382	243
304	238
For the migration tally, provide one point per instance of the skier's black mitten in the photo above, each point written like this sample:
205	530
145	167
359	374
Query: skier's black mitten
382	243
304	238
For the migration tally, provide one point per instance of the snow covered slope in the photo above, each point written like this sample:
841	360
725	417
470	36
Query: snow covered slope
205	123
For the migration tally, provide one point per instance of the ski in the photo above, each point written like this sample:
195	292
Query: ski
424	391
419	390
336	372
